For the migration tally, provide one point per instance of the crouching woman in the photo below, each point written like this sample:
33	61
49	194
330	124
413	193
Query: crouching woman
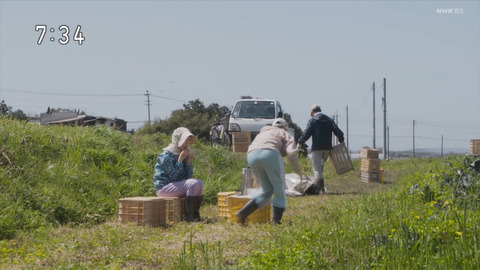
174	171
265	157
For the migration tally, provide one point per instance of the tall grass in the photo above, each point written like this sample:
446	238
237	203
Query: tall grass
55	175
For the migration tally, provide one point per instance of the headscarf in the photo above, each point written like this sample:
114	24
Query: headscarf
178	138
279	122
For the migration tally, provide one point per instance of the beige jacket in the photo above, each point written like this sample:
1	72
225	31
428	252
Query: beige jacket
280	140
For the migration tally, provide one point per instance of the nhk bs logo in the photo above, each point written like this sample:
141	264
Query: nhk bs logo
450	11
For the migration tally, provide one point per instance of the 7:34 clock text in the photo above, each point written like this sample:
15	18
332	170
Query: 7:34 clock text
64	34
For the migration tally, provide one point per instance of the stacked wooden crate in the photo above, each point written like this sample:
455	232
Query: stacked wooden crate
241	141
151	211
222	203
370	165
236	202
474	147
174	209
229	203
142	211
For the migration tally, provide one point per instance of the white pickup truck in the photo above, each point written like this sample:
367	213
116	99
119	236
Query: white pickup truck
252	114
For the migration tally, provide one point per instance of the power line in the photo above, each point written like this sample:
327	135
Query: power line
70	95
86	95
173	99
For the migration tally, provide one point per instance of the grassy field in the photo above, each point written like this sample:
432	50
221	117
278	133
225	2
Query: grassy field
60	189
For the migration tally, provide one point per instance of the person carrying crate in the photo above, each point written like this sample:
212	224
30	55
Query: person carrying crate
320	128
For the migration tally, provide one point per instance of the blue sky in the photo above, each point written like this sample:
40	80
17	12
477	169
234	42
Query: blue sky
298	52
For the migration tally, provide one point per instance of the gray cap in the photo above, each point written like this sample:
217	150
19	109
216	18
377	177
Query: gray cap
316	108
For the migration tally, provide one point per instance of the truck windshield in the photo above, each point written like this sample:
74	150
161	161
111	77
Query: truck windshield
254	109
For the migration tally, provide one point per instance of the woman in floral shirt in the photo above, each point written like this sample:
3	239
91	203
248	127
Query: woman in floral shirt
174	171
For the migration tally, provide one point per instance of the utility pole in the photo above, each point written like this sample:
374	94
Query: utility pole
373	88
388	141
335	119
148	106
347	130
414	138
441	151
384	102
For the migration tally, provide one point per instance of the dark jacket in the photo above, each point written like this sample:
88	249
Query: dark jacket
320	128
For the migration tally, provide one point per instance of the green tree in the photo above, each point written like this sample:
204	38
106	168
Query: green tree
19	115
4	108
195	116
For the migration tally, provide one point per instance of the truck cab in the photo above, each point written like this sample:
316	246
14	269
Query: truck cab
252	114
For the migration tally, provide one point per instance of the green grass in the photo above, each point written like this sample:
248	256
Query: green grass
53	175
61	185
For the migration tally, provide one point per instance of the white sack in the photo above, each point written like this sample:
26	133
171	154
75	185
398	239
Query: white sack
295	186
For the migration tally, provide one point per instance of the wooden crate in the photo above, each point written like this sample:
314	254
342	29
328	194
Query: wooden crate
242	137
222	203
235	203
142	211
370	164
474	147
240	148
369	153
340	159
241	141
174	209
370	176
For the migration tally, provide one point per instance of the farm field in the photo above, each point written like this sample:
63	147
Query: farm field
61	185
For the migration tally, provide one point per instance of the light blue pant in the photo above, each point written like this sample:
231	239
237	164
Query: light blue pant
269	169
319	157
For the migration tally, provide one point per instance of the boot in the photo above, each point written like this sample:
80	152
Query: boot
320	187
277	215
247	209
189	208
196	210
